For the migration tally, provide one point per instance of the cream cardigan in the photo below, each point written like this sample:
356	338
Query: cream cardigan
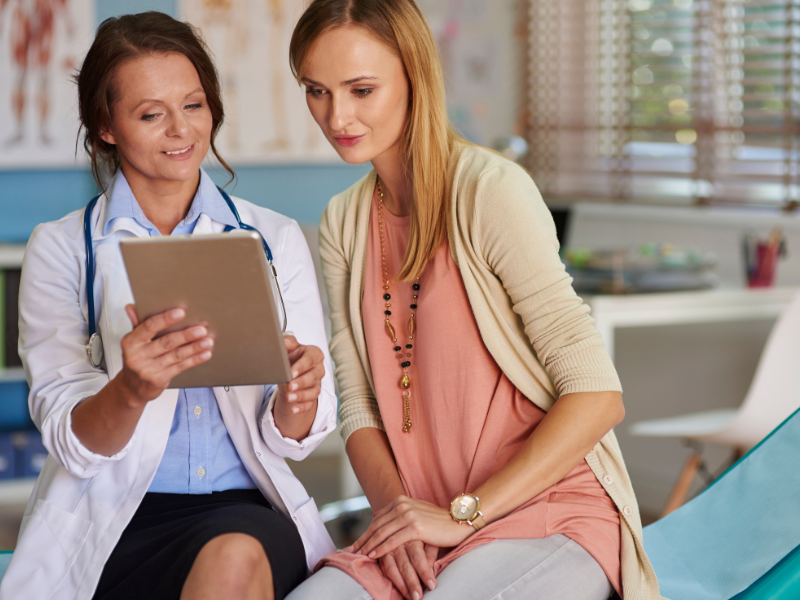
538	331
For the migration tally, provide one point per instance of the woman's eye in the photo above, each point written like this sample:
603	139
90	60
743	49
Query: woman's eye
314	92
150	117
363	92
194	106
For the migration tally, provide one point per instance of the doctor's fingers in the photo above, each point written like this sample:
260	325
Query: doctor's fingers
146	330
304	359
179	354
308	380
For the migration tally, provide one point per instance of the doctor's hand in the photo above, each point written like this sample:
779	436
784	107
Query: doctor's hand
150	363
296	401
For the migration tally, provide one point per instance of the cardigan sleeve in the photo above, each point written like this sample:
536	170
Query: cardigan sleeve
357	404
517	238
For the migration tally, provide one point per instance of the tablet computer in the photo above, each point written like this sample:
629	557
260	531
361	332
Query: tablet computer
224	280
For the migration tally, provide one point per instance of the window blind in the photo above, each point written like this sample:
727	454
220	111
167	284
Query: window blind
669	101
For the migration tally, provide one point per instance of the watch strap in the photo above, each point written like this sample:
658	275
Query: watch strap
478	522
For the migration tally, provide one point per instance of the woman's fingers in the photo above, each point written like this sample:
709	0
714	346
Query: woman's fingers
409	574
308	380
382	533
399	538
392	572
150	328
130	310
422	563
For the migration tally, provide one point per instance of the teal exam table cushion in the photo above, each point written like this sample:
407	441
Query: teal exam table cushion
740	538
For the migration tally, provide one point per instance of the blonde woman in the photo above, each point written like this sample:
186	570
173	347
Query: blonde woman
477	400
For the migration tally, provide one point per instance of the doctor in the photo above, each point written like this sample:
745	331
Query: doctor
150	492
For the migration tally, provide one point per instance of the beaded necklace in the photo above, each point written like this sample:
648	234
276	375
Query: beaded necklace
405	381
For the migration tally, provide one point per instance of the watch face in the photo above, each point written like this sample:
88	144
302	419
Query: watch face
464	508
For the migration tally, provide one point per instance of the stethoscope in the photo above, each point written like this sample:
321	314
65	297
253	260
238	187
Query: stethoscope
94	349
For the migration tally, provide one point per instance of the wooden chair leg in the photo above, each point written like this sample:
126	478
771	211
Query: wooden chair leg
681	489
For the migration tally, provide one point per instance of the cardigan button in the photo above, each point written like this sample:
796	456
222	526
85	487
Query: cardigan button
627	511
607	479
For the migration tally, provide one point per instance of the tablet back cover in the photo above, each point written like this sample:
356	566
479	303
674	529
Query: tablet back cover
222	279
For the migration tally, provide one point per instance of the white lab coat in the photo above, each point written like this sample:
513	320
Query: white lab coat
82	501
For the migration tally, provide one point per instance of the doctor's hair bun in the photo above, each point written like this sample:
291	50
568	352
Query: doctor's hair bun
118	40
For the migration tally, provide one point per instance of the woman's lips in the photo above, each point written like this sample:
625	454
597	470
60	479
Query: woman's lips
180	153
348	140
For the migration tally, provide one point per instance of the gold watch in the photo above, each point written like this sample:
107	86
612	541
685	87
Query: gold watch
466	509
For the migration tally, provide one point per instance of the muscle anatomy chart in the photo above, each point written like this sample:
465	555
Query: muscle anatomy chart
41	44
266	119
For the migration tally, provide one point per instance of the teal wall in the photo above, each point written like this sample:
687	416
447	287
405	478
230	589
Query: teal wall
29	197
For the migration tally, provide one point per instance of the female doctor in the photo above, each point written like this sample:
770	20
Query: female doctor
150	492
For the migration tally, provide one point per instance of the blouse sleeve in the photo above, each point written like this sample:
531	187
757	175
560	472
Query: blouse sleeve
518	241
357	404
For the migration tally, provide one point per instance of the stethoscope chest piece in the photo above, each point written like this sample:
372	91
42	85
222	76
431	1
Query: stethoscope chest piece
94	349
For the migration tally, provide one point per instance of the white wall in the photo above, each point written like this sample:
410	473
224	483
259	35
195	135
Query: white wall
673	370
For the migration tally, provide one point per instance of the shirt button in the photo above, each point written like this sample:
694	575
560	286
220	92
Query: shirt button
607	480
197	411
627	511
201	471
227	388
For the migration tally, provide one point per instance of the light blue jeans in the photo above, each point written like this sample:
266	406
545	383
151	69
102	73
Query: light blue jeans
551	568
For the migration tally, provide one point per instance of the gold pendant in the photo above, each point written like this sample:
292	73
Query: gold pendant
411	326
405	381
391	331
406	411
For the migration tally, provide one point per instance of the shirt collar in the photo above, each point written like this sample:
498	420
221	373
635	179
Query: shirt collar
208	200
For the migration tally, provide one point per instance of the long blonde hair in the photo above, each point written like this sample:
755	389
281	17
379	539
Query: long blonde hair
429	138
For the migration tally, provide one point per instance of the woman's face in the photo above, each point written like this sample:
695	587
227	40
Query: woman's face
161	123
358	93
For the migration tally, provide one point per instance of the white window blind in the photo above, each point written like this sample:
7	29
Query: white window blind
677	101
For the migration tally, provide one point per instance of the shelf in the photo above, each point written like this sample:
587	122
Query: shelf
12	374
11	255
16	491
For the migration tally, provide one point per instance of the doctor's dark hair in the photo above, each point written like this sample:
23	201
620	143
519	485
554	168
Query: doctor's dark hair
118	40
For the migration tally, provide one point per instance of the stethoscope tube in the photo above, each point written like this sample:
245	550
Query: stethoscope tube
94	349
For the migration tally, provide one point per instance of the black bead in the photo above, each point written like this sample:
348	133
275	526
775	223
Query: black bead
387	297
408	346
387	312
415	287
413	306
397	348
405	364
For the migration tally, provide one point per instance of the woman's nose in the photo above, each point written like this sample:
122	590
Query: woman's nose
178	126
341	114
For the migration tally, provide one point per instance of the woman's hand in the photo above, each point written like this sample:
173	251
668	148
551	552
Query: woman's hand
404	520
410	565
150	363
296	401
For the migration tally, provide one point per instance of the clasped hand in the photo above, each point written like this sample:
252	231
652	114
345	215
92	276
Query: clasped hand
397	534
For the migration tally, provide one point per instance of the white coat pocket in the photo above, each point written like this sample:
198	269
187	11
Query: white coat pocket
52	540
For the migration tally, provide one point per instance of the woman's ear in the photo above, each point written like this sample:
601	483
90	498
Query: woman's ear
108	137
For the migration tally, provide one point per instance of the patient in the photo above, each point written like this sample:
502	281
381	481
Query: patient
477	399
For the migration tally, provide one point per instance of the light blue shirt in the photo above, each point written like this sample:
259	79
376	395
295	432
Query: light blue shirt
200	457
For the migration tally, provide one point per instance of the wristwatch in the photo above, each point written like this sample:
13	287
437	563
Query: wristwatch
466	509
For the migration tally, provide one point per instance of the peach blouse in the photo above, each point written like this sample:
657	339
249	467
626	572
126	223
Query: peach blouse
468	419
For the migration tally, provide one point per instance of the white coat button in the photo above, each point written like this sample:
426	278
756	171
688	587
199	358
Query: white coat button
627	511
295	518
227	388
607	479
201	471
197	411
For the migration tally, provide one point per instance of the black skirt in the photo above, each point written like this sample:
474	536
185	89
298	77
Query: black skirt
158	547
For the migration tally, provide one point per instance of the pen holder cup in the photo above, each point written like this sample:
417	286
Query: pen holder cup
766	266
